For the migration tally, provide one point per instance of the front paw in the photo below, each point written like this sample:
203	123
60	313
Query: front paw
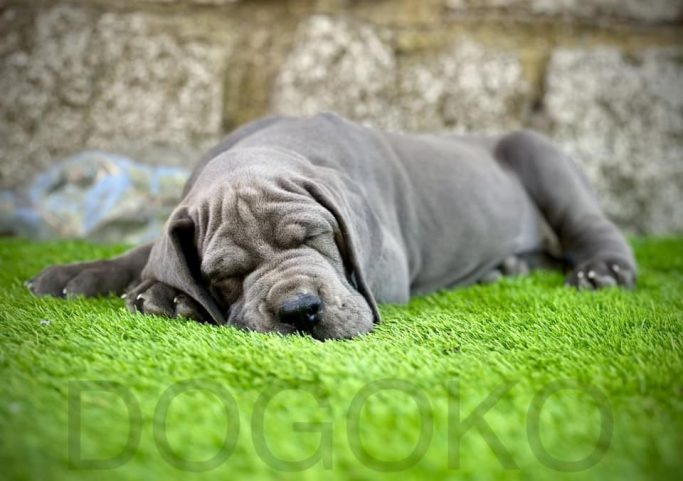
157	298
87	279
602	272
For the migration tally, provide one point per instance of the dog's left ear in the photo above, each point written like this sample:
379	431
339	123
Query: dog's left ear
174	260
358	227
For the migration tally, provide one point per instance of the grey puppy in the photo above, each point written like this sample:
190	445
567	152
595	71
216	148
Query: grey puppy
305	224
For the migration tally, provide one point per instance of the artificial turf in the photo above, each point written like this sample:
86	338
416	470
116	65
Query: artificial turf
569	385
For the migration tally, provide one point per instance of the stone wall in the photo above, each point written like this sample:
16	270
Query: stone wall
161	80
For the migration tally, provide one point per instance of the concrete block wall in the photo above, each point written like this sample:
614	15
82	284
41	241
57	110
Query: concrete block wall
162	80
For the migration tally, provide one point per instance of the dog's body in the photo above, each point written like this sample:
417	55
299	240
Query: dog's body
304	224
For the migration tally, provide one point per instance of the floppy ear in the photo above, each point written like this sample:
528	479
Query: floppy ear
363	231
174	260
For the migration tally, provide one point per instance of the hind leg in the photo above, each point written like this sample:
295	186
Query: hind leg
102	277
592	245
512	266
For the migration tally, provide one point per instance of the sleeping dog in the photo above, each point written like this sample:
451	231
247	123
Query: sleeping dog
305	224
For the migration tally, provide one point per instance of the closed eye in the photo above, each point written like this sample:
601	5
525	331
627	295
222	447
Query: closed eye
324	243
291	234
315	235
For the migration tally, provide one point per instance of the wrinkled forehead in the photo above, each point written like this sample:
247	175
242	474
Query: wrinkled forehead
270	203
252	216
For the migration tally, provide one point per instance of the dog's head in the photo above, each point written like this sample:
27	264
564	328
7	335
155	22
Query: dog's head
273	253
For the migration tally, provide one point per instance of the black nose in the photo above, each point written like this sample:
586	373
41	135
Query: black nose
302	312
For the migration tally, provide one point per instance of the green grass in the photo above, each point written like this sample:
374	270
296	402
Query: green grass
620	352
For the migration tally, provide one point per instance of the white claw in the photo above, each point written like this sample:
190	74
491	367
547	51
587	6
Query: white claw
591	274
580	274
64	291
616	268
139	297
124	295
175	300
